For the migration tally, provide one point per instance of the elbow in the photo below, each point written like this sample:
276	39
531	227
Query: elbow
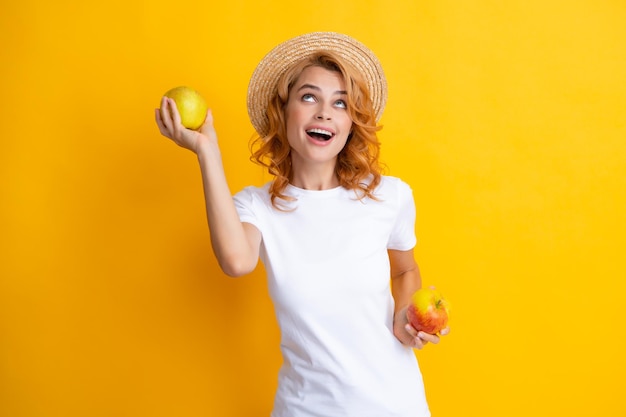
236	268
236	260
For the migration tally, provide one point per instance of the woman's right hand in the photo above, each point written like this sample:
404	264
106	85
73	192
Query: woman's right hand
170	126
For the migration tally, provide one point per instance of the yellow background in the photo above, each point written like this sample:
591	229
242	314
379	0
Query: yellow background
507	118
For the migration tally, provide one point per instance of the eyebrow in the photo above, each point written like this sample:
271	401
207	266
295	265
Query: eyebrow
316	88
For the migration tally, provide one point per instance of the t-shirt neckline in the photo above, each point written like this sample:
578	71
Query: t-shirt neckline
294	191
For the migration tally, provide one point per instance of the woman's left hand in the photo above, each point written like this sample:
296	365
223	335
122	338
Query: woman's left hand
410	337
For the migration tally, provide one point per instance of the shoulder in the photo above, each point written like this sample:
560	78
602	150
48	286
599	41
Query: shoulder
393	188
251	194
253	190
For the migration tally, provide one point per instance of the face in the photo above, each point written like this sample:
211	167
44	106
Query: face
317	119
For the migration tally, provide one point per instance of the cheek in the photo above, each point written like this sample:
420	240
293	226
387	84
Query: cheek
292	116
291	127
348	126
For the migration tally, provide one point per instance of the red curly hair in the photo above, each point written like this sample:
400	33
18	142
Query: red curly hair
358	167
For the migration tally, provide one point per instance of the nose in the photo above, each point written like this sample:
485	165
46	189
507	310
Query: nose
322	113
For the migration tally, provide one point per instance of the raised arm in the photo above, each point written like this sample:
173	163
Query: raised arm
235	244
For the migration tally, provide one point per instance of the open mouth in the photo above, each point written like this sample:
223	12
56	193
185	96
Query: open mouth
320	134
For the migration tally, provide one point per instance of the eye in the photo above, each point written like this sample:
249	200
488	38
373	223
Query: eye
341	104
309	98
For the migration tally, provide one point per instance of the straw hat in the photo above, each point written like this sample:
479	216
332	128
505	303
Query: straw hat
265	77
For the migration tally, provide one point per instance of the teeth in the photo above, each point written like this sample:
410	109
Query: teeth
327	134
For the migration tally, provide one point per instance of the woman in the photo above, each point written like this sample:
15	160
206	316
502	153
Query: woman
330	228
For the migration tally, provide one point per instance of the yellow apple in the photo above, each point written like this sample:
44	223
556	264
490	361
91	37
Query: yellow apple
191	106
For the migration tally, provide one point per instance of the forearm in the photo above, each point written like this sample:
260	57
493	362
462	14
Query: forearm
404	285
232	247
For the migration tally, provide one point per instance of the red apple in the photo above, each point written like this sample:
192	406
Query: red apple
428	311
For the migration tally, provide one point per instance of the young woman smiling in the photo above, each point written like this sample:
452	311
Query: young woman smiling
335	235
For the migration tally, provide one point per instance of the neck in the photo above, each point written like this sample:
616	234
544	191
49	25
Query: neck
315	178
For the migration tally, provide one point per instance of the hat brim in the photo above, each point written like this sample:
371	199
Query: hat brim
263	82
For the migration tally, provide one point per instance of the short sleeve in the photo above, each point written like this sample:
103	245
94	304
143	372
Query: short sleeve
244	203
403	233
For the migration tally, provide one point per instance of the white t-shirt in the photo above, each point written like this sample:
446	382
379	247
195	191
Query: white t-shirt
328	277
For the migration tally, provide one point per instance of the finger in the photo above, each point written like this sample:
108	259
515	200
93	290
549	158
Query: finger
159	122
418	343
157	118
426	337
174	111
410	330
444	331
415	341
207	126
165	114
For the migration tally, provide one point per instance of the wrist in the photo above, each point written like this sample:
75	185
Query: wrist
207	150
399	312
